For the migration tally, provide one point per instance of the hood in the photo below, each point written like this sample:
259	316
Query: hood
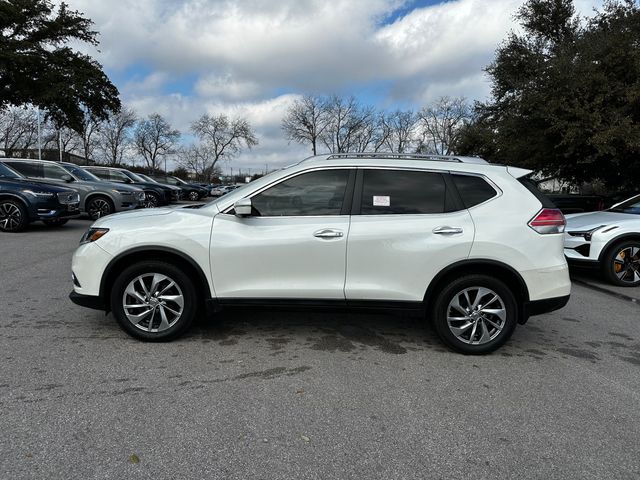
591	220
132	214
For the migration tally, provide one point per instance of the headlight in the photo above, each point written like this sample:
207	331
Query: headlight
140	196
67	198
39	194
586	234
93	234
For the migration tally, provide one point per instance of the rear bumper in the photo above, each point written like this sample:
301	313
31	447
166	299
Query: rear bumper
538	307
88	301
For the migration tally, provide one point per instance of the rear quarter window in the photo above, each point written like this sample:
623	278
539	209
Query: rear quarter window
473	190
533	188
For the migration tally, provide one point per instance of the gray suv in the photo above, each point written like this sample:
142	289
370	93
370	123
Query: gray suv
97	198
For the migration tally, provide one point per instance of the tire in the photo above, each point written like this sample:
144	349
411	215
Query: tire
13	216
151	200
99	206
496	324
194	196
621	264
152	327
55	222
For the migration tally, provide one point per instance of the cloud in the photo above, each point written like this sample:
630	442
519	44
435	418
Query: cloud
253	57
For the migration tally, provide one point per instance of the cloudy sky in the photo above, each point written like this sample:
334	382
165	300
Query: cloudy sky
254	57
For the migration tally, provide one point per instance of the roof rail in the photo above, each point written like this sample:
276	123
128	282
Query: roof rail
407	156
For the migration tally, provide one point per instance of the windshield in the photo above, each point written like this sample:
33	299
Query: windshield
132	176
81	174
180	180
7	172
145	178
628	206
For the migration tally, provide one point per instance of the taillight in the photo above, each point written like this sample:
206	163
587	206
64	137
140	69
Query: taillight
548	220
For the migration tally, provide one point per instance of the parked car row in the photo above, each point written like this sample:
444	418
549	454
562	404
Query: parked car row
33	190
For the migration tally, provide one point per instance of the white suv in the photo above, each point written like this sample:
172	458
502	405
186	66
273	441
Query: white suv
472	245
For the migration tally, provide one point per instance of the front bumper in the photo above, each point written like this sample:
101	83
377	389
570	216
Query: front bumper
58	211
88	301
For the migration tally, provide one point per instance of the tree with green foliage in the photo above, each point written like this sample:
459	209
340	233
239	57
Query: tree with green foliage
38	67
565	95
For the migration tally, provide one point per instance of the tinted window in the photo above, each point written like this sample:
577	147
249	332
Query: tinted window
473	190
119	177
80	173
54	172
102	174
397	191
7	172
533	188
27	169
314	193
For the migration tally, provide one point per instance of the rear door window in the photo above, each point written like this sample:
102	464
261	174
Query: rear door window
402	192
33	170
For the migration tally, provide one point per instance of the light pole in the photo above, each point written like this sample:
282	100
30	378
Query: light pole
39	144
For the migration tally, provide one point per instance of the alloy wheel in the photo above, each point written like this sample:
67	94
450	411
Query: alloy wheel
153	302
626	264
150	200
476	315
193	196
10	216
99	207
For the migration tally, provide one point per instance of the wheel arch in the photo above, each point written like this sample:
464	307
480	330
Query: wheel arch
611	243
90	196
170	255
23	201
493	268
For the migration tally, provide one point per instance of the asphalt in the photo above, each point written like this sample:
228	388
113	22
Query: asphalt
282	394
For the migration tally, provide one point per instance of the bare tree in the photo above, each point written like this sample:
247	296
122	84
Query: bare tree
306	120
440	124
18	130
399	129
198	159
88	136
349	125
154	138
223	136
116	135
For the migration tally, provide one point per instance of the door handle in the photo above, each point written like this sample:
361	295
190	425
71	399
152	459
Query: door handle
447	230
328	233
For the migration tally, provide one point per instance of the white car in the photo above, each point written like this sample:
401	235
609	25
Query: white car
472	245
609	240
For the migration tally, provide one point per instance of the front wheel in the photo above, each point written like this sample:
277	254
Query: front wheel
154	301
621	264
151	200
475	314
13	216
98	207
193	196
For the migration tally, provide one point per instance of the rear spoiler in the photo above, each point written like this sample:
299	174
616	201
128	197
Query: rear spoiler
519	172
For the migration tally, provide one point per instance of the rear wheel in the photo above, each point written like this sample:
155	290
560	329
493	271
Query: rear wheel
13	216
99	206
55	222
475	314
154	301
621	264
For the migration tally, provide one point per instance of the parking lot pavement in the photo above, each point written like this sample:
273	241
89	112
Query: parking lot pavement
591	278
298	394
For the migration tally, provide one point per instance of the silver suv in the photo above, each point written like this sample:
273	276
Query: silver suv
97	198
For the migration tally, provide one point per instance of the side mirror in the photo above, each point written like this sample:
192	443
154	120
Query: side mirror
243	207
67	178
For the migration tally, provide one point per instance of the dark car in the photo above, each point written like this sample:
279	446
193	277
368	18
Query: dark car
574	203
156	195
190	191
23	201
